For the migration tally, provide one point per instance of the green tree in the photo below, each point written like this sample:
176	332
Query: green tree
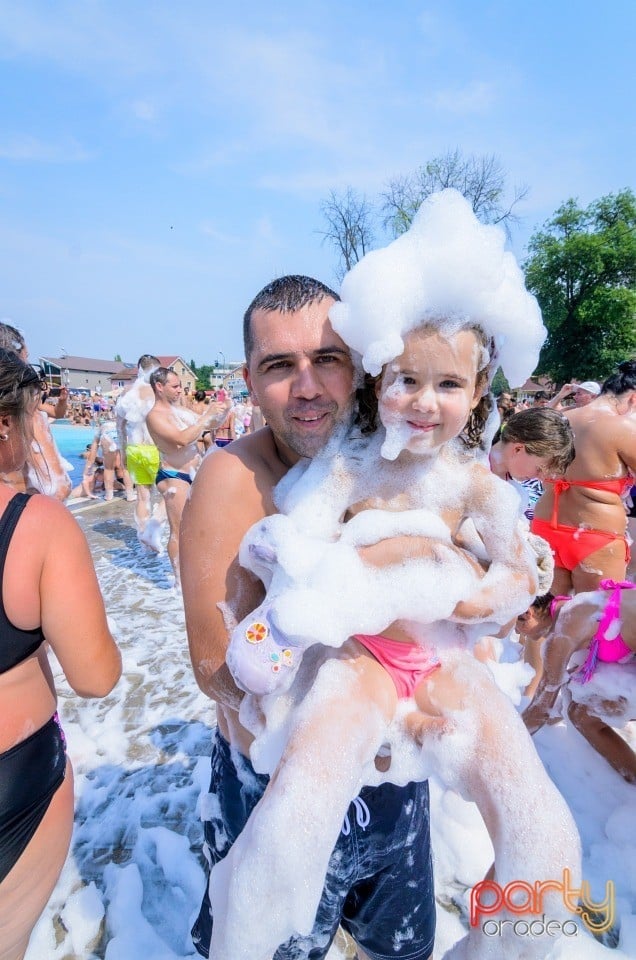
499	383
118	358
582	269
203	372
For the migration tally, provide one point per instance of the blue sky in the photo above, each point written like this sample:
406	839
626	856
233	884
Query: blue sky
161	161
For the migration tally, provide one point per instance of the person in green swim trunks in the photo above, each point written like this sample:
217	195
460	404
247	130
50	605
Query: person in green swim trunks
142	456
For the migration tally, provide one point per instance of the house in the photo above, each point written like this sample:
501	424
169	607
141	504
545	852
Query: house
83	374
230	377
186	374
532	386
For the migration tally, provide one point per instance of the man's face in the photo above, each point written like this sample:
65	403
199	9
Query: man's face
172	388
301	375
582	398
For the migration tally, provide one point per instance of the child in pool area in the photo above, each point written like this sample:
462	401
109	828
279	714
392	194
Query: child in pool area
603	624
366	548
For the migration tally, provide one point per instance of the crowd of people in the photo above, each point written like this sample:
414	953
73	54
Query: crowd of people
522	509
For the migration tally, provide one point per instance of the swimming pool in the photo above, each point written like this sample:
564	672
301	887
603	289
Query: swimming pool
71	442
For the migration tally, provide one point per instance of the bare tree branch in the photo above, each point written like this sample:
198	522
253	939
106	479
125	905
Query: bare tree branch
481	179
349	219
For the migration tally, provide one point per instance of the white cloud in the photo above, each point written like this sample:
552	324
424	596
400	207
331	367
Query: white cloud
25	148
478	97
145	110
209	229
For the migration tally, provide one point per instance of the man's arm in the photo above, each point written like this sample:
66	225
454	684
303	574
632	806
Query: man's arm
557	400
223	504
164	431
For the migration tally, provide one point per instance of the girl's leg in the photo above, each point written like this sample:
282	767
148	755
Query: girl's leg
481	748
605	741
276	868
110	460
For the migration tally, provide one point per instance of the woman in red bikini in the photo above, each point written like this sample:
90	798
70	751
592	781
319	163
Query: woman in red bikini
583	516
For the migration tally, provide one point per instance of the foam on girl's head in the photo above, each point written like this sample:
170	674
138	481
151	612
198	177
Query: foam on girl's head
449	265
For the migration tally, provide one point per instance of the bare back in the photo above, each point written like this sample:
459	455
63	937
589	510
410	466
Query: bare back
605	444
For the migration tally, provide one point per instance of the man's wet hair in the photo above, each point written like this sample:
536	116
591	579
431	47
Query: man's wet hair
146	361
160	375
284	295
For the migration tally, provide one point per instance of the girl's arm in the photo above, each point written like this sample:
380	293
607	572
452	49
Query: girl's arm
511	580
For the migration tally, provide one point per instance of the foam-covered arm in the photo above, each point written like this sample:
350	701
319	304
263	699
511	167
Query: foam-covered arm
511	581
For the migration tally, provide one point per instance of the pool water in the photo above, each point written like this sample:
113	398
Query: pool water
71	442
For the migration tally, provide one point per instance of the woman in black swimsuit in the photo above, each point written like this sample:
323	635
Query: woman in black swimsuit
48	594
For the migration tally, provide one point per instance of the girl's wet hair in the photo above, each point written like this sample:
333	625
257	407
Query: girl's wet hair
367	402
11	338
541	604
19	387
544	432
623	380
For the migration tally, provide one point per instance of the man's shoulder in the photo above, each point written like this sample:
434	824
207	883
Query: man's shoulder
237	478
251	459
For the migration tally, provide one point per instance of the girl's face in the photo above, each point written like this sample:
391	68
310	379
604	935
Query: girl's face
522	465
429	391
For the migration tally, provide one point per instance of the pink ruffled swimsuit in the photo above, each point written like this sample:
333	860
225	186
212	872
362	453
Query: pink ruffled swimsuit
406	663
607	645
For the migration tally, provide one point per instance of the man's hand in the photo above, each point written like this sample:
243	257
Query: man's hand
216	413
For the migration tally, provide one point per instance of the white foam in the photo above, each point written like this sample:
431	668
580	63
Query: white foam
447	265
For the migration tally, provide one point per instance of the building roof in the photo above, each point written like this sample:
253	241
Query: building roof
130	373
87	364
168	362
533	385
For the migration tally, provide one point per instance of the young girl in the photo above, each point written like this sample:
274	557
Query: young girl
531	445
603	624
404	493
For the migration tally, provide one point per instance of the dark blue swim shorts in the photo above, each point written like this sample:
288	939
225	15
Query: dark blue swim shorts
379	886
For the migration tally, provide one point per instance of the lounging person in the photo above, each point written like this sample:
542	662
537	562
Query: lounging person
300	373
583	516
407	490
602	624
49	595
